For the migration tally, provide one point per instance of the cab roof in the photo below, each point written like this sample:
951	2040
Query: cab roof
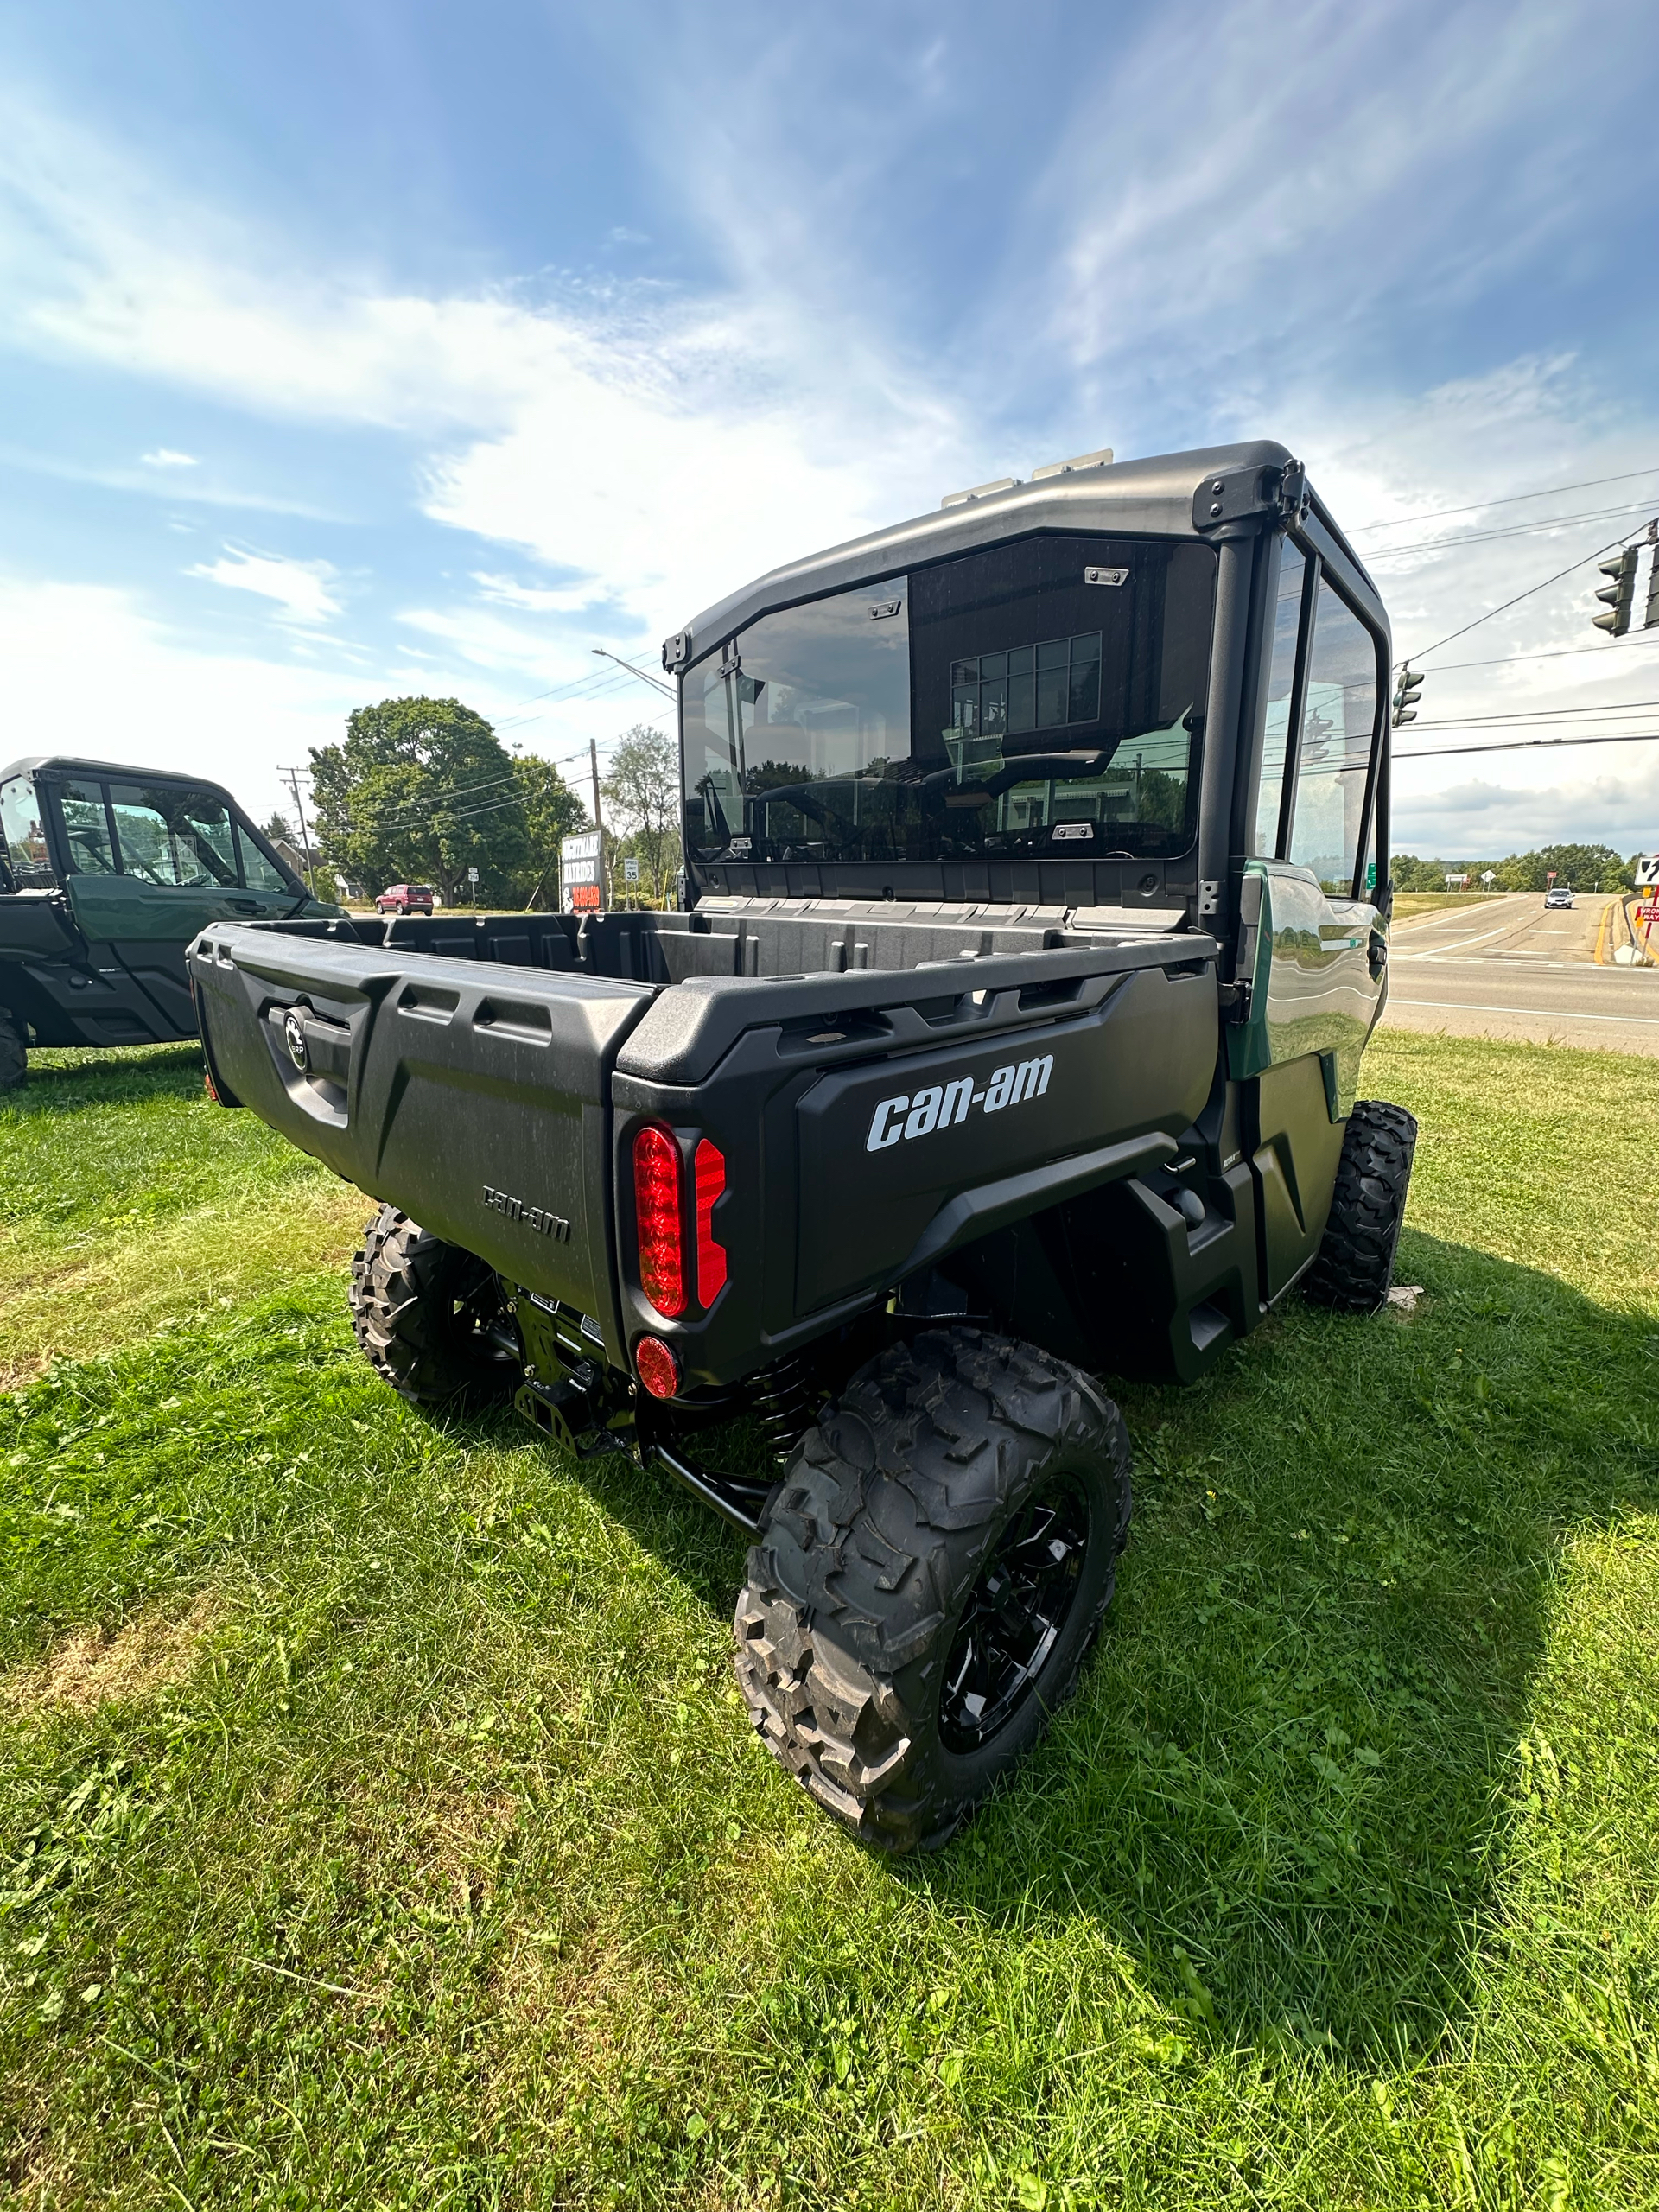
71	763
1167	495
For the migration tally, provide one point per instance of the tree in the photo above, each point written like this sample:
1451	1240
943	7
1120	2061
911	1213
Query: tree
278	827
552	812
642	793
420	790
1587	867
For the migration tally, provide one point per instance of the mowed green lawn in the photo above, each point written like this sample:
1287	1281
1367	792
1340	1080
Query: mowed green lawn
378	1824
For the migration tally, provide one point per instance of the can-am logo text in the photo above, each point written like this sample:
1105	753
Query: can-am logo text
941	1106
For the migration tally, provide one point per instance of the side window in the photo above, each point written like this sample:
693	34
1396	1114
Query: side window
25	834
204	822
1338	720
258	872
86	827
1281	675
172	835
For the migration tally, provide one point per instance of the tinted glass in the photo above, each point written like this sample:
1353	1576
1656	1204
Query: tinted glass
24	836
1000	703
817	696
172	835
86	827
1281	672
1338	720
258	872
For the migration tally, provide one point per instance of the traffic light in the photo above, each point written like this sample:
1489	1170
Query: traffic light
1619	596
1405	698
1652	620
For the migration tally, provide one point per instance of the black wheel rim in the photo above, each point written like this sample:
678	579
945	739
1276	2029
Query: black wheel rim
1015	1617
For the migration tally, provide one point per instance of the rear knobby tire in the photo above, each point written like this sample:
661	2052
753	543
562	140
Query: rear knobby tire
14	1056
429	1317
953	1475
1355	1264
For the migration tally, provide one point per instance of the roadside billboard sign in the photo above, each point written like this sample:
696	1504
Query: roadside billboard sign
581	874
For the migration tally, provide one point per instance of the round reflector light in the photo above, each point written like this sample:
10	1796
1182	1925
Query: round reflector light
660	1370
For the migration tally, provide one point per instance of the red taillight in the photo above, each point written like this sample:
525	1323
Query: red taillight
659	1219
660	1370
710	1172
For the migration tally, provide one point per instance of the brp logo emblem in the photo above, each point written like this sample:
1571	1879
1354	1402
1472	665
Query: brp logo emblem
293	1038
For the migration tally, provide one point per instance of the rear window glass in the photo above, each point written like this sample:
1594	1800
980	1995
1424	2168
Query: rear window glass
1046	696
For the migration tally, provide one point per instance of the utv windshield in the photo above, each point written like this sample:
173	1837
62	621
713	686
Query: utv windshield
1046	696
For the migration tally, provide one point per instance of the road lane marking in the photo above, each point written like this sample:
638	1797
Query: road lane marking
1534	967
1458	943
1530	1013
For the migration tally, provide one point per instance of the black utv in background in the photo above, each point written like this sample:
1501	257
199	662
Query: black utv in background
105	876
1039	858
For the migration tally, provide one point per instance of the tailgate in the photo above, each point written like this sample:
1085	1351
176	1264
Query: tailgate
868	1122
474	1097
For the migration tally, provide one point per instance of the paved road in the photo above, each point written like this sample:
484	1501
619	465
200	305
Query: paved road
1505	967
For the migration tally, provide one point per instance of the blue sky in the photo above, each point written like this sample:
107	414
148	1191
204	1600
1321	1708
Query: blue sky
360	349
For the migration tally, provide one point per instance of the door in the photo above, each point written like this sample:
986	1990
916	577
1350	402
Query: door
151	864
1315	939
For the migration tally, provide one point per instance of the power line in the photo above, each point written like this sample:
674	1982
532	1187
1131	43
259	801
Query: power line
1529	744
1540	715
1412	658
1511	498
1560	653
1520	530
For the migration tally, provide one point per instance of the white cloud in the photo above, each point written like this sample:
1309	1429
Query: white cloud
89	668
1499	810
300	588
665	450
164	457
1220	183
537	599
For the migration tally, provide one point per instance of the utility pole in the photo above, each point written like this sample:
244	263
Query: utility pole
293	775
599	823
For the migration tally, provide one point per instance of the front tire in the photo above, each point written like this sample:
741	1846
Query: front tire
1355	1264
429	1319
929	1578
14	1056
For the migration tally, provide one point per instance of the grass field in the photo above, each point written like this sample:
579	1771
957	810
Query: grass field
378	1824
1407	903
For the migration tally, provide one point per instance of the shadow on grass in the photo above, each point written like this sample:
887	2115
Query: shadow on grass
1286	1784
1282	1790
66	1079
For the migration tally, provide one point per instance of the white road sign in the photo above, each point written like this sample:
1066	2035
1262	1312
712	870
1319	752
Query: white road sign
1647	868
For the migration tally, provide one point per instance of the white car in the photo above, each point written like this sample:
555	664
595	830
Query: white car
1558	894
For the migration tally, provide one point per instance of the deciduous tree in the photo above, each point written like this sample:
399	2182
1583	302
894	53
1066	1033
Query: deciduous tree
420	790
642	796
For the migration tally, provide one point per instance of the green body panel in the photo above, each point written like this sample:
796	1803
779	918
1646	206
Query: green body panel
125	910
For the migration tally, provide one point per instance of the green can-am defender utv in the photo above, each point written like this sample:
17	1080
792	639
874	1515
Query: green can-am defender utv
1039	855
105	876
